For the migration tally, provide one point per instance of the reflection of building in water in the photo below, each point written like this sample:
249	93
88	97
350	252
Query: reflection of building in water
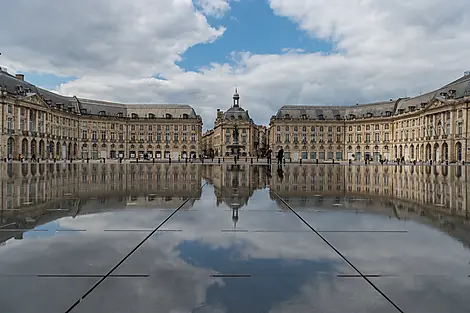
35	194
162	185
442	186
235	184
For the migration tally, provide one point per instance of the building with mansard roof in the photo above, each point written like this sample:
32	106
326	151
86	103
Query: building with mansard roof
234	134
430	127
42	124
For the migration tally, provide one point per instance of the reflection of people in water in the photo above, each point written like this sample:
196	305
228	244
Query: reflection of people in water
280	172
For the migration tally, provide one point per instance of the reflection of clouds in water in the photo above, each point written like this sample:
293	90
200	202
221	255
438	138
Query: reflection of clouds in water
321	294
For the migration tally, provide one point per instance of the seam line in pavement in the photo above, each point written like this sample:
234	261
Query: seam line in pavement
132	251
340	254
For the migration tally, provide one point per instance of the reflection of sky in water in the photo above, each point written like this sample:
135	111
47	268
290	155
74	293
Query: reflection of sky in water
291	272
273	280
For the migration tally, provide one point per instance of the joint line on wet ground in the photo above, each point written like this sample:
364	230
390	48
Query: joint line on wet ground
110	272
339	253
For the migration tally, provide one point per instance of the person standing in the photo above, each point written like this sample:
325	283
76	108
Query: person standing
280	156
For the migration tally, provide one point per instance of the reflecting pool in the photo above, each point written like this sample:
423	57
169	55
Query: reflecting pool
234	238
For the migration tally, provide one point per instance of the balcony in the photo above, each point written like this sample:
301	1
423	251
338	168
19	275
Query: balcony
25	133
458	135
444	136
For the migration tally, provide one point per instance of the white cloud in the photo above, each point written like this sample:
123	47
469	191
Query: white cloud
216	8
382	50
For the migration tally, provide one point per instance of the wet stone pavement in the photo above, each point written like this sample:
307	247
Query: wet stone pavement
227	238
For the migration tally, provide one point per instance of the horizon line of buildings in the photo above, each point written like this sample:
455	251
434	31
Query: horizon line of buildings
37	123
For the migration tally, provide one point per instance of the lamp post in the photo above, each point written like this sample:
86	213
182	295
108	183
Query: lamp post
3	95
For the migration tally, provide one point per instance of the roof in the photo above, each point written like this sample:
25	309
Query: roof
92	107
461	88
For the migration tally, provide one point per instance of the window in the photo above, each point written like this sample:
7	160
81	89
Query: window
175	137
367	137
377	127
185	116
84	134
376	137
296	128
103	135
151	115
358	128
150	137
168	116
338	129
102	113
193	137
94	135
278	128
133	115
278	138
287	138
358	138
367	127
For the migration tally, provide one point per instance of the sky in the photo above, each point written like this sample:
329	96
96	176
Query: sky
277	52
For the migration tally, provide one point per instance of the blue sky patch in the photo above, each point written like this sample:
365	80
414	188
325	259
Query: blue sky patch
251	26
47	81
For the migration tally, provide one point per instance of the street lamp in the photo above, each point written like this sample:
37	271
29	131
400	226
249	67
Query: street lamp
3	95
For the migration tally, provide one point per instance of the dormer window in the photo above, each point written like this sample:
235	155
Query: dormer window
423	105
168	116
321	117
304	116
83	111
101	113
337	117
151	115
400	111
120	114
411	108
287	116
134	115
388	113
185	116
69	109
352	116
369	114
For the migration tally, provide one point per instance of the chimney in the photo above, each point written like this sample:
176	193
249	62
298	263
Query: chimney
20	76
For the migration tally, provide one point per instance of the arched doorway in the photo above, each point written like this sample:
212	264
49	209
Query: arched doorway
400	151
421	154
41	149
50	150
458	150
57	150
437	153
69	151
412	151
24	148
33	148
445	152
407	152
428	152
10	145
64	153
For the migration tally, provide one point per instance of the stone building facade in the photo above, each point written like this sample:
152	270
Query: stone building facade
234	134
39	123
430	127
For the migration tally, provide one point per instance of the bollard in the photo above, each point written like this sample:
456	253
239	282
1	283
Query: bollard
251	160
246	159
87	160
300	161
235	159
223	159
284	161
447	162
153	160
219	161
350	162
186	160
316	161
137	160
257	159
333	161
169	160
104	160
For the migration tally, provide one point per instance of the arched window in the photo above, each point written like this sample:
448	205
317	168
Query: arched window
151	115
168	116
134	115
